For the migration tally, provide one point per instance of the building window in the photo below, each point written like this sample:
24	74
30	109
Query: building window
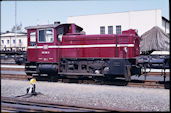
2	41
7	41
20	41
118	29
102	30
13	41
110	29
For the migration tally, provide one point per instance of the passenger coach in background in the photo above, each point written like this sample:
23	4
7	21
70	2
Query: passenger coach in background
62	51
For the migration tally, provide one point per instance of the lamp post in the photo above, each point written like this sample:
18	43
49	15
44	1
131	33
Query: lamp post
15	22
116	45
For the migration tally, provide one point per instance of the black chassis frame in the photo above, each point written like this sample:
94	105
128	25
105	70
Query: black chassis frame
87	67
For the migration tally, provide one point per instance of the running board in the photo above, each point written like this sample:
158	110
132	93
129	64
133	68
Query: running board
86	74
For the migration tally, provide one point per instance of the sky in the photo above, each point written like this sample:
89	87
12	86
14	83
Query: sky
31	13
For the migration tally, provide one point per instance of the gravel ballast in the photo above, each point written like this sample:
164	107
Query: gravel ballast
103	96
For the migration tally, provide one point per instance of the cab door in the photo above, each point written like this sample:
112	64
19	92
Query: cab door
46	45
32	45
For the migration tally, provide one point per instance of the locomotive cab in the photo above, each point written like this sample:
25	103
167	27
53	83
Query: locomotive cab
43	46
43	37
67	29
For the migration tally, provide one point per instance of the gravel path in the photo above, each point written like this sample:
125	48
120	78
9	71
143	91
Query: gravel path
104	96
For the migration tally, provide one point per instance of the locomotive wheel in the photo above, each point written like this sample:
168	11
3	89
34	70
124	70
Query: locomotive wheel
99	80
128	74
167	85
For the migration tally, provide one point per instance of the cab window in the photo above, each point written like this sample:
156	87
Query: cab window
46	35
32	38
63	29
60	30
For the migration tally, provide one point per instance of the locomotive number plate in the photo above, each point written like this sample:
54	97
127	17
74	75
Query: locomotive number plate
45	47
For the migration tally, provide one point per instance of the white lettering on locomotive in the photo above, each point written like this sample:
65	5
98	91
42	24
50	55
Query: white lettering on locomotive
45	47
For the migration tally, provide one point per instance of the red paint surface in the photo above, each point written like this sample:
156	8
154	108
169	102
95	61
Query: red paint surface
41	54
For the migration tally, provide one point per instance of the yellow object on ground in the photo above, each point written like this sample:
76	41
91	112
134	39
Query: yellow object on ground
33	81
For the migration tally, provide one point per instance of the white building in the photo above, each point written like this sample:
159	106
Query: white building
166	25
9	41
110	23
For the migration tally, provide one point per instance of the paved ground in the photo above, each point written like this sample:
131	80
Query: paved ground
104	96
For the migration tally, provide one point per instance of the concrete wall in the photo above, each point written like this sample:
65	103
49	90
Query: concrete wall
140	20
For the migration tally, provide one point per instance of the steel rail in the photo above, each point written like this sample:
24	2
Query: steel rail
132	83
147	84
12	69
22	105
15	77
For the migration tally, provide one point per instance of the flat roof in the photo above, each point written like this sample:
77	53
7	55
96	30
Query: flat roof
11	34
118	12
42	26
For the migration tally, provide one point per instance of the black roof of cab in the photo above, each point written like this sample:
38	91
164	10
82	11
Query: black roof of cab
42	26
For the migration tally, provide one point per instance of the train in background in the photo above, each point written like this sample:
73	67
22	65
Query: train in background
15	55
13	47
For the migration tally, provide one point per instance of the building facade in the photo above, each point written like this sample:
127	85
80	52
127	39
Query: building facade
10	41
113	23
166	25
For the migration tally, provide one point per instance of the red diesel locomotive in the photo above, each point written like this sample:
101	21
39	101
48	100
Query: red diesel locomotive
64	51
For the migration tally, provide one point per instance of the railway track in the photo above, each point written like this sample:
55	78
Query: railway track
117	82
15	77
16	67
139	83
12	67
147	84
9	104
132	83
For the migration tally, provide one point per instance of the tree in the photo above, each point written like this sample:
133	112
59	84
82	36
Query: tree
18	28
